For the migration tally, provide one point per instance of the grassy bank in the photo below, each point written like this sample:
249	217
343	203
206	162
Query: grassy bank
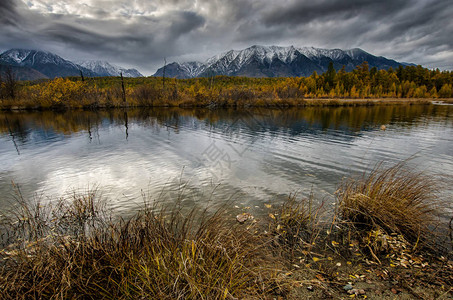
220	91
381	241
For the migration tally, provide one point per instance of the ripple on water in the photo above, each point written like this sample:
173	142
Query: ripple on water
219	155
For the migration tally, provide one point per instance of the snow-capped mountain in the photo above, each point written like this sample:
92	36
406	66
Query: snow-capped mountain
23	57
104	68
35	64
48	64
275	61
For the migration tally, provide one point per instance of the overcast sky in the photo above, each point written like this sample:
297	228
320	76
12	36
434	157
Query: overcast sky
140	33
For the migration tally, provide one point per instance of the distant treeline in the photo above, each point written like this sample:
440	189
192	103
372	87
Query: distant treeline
362	83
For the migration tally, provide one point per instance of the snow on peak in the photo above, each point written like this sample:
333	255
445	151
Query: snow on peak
17	55
355	53
99	66
233	60
105	68
193	68
25	57
316	53
53	65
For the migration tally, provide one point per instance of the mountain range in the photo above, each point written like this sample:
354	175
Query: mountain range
36	64
275	61
255	61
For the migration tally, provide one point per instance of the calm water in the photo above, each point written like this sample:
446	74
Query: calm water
252	157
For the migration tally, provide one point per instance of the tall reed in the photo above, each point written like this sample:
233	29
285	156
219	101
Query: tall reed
396	200
69	249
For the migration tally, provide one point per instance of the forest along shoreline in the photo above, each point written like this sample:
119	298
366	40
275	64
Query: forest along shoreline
383	240
362	86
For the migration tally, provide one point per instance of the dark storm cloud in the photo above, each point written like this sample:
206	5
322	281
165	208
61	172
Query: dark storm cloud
89	40
146	38
385	19
141	33
8	15
184	22
299	12
131	40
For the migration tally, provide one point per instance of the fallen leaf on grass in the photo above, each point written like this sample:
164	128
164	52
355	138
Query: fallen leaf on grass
243	217
357	291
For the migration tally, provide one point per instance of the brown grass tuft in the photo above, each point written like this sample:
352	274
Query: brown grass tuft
396	200
297	223
76	253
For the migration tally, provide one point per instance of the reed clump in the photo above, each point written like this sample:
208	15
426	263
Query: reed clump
393	201
75	251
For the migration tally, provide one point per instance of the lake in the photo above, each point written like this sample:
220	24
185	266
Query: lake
249	156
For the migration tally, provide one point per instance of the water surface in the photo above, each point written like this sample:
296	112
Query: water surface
251	156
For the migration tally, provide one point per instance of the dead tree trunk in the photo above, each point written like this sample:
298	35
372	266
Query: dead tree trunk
122	86
10	83
1	85
163	74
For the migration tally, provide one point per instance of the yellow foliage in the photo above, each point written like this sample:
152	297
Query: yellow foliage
61	90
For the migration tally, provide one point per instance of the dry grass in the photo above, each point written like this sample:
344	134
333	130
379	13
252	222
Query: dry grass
396	200
73	251
447	100
297	223
74	248
147	96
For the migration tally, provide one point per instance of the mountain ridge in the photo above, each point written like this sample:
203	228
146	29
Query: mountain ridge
276	61
37	64
104	68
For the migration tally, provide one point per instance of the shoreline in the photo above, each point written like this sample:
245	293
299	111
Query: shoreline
271	103
366	250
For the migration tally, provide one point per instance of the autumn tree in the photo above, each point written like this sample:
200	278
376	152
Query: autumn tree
363	74
59	91
330	75
445	91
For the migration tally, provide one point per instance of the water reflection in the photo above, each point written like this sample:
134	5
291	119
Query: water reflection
250	155
296	121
